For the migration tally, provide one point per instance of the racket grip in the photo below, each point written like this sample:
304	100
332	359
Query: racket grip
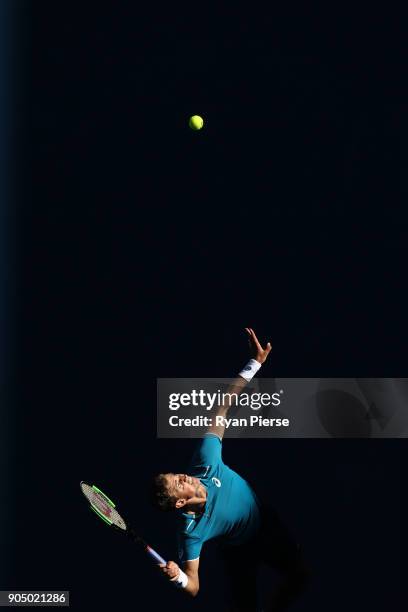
154	555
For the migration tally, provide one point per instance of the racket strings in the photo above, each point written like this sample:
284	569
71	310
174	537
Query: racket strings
104	506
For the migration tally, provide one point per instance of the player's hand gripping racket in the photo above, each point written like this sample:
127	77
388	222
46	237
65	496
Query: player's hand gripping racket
106	510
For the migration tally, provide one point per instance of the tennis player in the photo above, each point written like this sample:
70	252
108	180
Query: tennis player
214	502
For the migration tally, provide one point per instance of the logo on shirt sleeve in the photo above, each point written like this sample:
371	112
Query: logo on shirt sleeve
216	481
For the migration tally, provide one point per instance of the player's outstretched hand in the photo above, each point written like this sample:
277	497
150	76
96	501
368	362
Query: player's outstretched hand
171	570
257	352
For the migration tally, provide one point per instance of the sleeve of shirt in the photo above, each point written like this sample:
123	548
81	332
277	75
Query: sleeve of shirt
207	453
189	547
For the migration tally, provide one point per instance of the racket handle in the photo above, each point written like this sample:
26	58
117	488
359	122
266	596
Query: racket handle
154	555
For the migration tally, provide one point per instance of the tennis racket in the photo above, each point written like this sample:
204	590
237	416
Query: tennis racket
105	509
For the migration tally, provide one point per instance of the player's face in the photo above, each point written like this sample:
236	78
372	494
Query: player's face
183	485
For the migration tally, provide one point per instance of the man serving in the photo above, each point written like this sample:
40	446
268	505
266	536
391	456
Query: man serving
214	502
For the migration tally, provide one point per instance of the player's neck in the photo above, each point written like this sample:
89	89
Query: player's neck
196	509
196	505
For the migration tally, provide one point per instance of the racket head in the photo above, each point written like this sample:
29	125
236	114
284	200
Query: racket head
103	506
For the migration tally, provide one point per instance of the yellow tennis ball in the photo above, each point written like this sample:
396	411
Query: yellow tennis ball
196	122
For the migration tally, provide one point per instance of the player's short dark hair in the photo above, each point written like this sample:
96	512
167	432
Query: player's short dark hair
161	496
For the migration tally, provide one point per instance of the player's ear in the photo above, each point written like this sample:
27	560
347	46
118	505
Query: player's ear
180	503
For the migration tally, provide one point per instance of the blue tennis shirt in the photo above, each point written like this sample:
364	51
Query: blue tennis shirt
231	512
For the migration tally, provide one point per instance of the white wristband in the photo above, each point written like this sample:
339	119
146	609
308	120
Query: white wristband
250	369
181	580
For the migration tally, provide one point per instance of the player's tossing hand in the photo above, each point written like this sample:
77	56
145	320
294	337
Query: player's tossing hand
171	570
257	352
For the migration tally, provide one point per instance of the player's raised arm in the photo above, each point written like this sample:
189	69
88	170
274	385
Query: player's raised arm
258	356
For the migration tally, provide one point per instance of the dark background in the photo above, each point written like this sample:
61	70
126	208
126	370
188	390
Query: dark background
144	249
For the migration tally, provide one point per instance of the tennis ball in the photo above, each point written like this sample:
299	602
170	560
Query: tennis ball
196	122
